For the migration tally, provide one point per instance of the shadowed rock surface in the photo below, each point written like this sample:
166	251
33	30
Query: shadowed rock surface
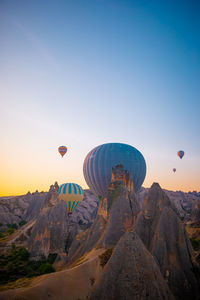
184	202
12	209
121	208
86	212
85	241
49	234
116	215
131	273
164	235
161	261
195	216
36	202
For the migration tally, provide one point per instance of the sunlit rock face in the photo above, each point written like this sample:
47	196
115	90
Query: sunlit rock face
163	233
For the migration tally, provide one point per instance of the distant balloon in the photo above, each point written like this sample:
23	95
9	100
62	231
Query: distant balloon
174	170
97	167
72	194
62	150
180	153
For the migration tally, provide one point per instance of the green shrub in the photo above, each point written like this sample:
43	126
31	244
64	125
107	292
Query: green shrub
14	226
10	230
23	254
46	268
13	246
195	243
51	258
21	223
104	257
15	264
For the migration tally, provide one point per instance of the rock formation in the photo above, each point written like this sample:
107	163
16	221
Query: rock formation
49	234
195	215
151	255
116	214
164	235
131	273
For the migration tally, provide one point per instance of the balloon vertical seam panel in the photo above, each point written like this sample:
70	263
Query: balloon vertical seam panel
100	160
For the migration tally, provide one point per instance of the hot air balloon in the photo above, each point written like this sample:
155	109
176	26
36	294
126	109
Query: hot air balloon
180	153
99	162
62	150
72	194
174	170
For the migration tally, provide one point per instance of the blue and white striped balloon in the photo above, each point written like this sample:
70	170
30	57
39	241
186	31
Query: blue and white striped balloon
72	194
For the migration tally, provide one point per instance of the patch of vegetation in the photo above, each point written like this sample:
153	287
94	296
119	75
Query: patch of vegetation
51	258
10	230
195	243
104	257
22	282
14	226
46	268
16	264
22	223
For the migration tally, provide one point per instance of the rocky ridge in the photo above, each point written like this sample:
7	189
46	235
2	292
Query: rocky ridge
159	263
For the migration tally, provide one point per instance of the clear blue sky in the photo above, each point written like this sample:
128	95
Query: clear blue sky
81	73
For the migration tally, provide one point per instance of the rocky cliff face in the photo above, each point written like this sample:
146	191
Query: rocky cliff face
54	230
184	202
164	235
50	231
27	207
116	215
195	215
86	212
152	256
131	273
157	243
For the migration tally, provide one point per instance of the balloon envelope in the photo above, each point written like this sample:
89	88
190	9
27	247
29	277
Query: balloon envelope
180	153
97	167
174	170
72	194
62	150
